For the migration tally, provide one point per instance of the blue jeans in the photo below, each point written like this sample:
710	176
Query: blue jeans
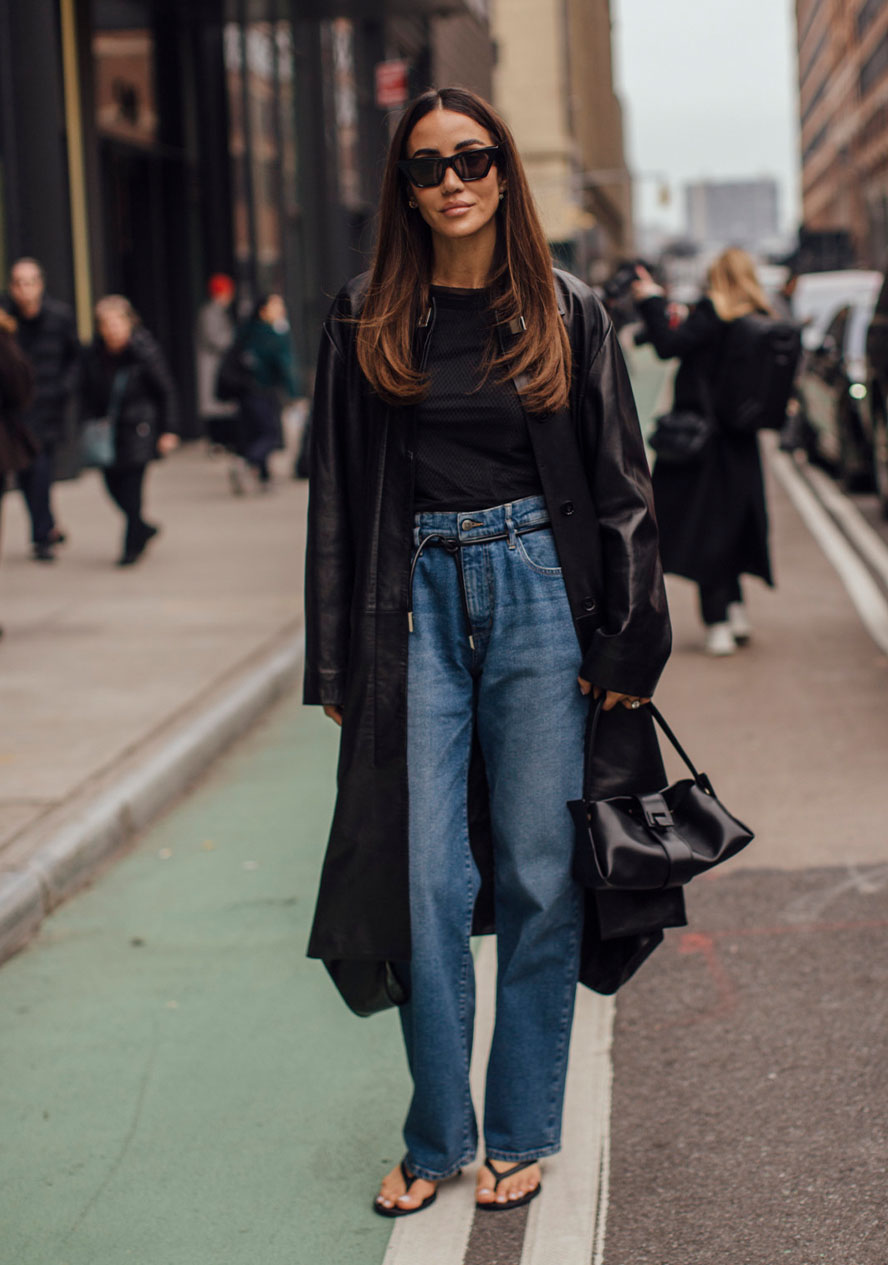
518	685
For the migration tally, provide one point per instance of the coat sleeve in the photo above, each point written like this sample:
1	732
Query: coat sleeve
72	358
161	386
700	328
330	560
629	650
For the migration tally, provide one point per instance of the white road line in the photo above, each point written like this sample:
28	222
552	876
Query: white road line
566	1224
440	1236
862	588
867	541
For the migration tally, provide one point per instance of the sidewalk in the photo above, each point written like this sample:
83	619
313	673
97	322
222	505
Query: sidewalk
140	675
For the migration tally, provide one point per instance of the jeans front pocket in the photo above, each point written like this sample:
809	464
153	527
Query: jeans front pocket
537	550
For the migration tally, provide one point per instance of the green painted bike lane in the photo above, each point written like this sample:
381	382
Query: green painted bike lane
178	1084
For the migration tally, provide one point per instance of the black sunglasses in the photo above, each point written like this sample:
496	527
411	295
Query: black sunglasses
471	164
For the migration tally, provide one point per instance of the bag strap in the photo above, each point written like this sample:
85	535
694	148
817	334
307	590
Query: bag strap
118	390
595	715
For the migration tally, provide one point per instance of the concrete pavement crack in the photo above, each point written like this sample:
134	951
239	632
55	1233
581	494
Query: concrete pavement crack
127	1140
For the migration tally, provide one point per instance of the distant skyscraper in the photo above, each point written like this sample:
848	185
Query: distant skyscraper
732	212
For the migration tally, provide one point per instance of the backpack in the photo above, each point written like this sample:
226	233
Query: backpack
758	368
233	379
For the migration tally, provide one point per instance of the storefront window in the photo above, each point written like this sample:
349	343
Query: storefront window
126	103
265	152
237	148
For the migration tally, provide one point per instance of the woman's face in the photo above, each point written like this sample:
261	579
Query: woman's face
274	311
454	209
115	330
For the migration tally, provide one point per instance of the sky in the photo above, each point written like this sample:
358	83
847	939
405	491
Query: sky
709	90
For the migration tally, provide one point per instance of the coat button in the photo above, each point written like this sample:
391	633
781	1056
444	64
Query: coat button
588	603
567	508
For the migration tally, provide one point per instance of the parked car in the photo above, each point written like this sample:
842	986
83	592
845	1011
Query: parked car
832	383
875	411
818	296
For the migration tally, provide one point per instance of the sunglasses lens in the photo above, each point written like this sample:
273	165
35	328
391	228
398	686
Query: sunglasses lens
424	172
473	165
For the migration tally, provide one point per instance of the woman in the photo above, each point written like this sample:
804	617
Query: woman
712	514
481	554
125	378
17	448
214	334
267	355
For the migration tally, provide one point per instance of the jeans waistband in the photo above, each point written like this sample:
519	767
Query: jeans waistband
467	526
457	531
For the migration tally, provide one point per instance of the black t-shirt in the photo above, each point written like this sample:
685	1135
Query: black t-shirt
472	446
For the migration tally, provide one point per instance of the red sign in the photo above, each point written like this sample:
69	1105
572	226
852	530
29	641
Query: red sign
391	84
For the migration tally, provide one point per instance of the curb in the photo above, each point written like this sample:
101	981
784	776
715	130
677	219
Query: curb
93	827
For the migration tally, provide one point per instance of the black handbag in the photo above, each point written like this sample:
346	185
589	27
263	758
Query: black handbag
642	843
682	436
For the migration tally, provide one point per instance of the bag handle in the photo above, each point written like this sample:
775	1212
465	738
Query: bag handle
595	718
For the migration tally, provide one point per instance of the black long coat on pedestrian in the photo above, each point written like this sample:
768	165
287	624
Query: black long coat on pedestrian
50	342
147	407
595	479
712	515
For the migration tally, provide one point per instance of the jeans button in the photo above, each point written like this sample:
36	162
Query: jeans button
567	508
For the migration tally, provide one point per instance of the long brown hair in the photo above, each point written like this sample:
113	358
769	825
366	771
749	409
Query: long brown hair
521	284
734	287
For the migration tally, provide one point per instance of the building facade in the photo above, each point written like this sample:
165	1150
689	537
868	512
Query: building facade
553	81
843	106
146	144
723	213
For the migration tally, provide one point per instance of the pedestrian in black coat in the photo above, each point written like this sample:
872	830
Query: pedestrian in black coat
125	377
711	513
413	425
47	335
16	386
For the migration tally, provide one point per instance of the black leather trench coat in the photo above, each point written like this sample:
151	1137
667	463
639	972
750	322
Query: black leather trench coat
712	515
595	480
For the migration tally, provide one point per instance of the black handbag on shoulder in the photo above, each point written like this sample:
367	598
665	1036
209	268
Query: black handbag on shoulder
682	436
637	843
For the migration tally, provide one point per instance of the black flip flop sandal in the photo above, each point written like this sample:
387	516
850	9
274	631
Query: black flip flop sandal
395	1211
493	1206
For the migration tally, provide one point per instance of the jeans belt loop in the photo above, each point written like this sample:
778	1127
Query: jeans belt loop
510	526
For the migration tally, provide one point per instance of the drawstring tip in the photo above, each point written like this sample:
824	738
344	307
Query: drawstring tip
410	621
471	641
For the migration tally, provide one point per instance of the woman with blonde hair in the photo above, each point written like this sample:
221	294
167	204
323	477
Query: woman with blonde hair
481	555
711	512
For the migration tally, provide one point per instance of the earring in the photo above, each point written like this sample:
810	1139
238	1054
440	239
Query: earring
413	204
502	194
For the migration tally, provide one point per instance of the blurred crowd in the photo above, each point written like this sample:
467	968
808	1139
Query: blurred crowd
123	396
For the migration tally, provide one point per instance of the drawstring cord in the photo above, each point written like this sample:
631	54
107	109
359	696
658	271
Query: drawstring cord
454	546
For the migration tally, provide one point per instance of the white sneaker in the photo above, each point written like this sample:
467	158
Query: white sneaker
719	640
739	623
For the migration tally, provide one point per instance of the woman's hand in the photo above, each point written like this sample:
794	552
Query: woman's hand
167	443
630	701
335	713
645	287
